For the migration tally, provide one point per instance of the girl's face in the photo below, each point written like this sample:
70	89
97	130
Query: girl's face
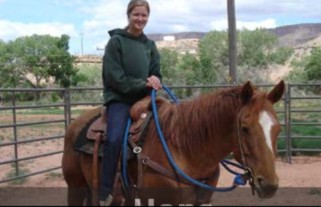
138	19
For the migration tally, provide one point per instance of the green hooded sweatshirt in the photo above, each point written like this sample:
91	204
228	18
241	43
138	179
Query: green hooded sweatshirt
127	63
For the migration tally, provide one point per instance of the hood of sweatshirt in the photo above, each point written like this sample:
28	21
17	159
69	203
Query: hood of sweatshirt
123	32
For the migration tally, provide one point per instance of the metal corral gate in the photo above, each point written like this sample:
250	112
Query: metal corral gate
299	108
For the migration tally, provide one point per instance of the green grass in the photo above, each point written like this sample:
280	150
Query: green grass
55	175
12	173
42	111
35	111
47	111
311	130
301	130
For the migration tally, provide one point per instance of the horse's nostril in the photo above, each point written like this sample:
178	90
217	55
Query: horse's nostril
265	188
260	180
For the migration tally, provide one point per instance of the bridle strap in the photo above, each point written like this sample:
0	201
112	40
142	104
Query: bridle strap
244	163
143	159
162	170
247	170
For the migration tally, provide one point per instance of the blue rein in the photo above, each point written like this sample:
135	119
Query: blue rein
238	180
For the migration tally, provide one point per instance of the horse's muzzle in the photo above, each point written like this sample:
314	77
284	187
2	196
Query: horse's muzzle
265	188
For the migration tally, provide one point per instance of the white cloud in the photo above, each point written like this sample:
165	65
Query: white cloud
176	16
275	8
10	30
167	16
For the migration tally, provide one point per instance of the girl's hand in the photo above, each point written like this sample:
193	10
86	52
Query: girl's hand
154	82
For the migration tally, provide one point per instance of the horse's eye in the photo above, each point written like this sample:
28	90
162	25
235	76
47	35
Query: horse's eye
245	130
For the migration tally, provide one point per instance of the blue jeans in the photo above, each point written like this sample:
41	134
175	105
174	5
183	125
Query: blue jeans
117	117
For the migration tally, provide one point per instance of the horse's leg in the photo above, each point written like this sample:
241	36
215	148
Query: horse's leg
204	196
75	180
76	196
87	172
89	197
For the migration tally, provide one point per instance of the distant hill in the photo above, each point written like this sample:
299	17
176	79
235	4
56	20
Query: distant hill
302	37
294	35
290	35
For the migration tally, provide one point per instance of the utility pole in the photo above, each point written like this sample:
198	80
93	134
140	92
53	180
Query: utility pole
232	40
82	43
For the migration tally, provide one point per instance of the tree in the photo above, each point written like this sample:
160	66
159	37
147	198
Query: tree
313	66
312	69
281	55
255	47
189	73
297	75
32	61
189	70
169	61
307	69
9	74
256	50
61	66
213	52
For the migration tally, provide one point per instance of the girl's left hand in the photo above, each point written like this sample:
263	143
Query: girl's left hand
154	82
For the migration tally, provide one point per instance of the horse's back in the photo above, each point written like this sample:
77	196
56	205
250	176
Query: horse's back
76	126
72	132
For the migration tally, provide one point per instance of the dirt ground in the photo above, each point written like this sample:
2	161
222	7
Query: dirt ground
299	182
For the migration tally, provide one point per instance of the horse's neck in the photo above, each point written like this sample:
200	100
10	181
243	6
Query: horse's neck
207	127
212	114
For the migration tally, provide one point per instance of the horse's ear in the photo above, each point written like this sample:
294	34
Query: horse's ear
247	92
277	92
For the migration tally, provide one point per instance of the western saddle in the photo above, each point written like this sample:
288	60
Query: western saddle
138	114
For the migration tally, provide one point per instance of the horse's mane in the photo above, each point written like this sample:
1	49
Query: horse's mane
191	123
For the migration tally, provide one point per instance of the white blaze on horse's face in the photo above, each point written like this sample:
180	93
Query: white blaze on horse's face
267	122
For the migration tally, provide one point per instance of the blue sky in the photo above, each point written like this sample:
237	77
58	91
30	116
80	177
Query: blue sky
87	21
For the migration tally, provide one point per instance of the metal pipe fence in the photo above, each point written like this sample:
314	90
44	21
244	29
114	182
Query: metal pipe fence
17	133
47	118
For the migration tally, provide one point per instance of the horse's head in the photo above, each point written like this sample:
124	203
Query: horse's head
258	129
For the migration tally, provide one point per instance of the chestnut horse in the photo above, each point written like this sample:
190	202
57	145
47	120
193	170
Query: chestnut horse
199	133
